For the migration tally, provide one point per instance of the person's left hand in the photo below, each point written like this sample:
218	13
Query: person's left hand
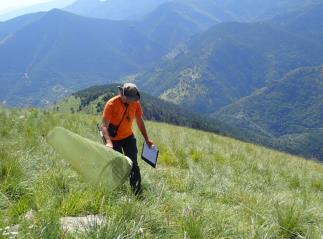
150	143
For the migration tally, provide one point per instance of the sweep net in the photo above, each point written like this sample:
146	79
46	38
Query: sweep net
94	162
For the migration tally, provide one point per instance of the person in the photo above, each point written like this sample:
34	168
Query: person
118	115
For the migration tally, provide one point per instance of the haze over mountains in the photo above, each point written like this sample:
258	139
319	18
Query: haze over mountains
208	56
62	50
306	22
114	10
230	61
243	10
46	6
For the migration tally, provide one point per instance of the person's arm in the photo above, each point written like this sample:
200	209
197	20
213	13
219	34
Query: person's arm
104	128
142	128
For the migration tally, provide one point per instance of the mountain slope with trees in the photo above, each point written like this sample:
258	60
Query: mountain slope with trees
11	26
47	55
228	62
290	109
307	22
243	10
260	10
175	22
59	52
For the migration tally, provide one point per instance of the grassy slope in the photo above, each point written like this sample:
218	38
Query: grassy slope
205	186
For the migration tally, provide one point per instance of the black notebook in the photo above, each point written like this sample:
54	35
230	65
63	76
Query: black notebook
149	155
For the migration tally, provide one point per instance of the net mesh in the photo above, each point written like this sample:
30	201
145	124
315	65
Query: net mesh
94	162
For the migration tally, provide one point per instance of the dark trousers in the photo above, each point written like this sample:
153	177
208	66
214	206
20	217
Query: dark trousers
128	147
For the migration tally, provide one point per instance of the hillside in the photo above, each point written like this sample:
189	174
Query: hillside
244	10
306	142
170	22
135	10
176	22
306	22
60	52
93	99
114	9
47	55
227	62
11	26
260	10
296	100
205	186
290	109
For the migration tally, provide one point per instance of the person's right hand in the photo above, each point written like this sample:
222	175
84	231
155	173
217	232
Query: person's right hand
109	145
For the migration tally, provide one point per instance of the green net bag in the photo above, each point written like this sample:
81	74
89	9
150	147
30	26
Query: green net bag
94	162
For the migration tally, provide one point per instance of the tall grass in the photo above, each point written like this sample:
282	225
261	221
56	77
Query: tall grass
205	186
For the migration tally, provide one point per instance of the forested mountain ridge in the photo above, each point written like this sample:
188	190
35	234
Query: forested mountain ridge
228	62
243	10
47	55
175	22
307	22
59	52
290	110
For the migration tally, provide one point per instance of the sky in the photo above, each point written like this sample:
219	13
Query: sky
9	5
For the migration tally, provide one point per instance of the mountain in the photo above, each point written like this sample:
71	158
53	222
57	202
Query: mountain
43	61
173	24
261	10
109	49
9	27
290	105
135	10
204	186
227	62
307	22
47	6
290	110
114	9
167	22
59	52
243	10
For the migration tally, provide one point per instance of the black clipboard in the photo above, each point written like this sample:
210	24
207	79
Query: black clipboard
149	155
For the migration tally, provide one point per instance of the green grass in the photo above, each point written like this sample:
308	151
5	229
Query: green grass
205	186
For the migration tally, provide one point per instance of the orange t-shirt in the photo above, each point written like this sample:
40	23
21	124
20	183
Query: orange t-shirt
113	112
